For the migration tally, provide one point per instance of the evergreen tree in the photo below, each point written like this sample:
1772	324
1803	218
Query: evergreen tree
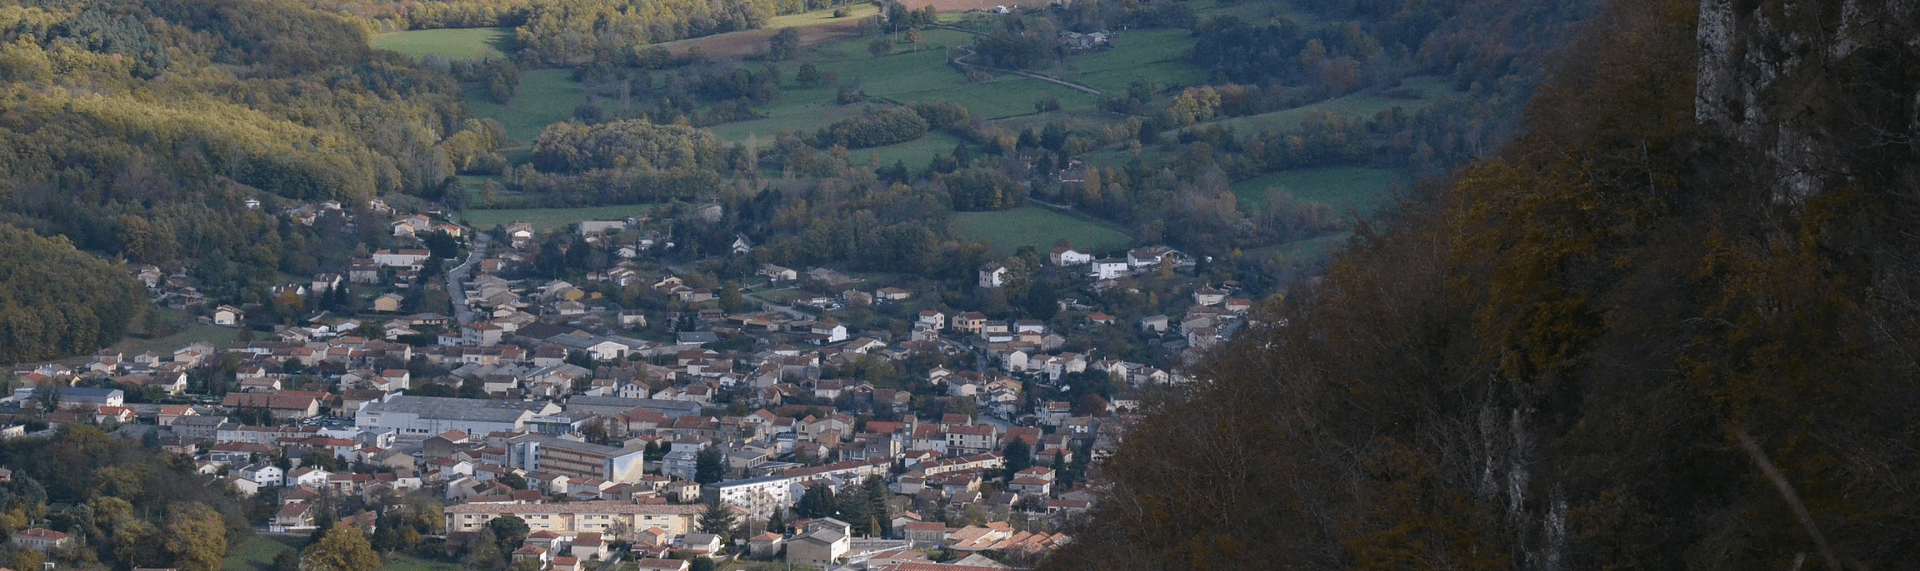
817	502
710	465
1017	456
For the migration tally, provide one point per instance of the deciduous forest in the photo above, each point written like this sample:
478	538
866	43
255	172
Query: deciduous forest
1671	325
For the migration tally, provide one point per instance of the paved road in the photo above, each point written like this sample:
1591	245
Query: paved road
457	279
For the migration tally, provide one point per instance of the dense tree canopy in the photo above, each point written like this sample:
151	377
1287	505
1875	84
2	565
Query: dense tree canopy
55	300
138	130
1589	352
572	147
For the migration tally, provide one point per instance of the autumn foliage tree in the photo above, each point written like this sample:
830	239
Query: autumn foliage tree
341	549
1613	345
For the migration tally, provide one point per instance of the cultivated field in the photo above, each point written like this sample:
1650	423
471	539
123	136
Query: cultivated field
1008	230
544	219
1357	190
453	44
546	96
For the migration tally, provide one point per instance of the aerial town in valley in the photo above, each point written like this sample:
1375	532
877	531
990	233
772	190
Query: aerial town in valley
629	406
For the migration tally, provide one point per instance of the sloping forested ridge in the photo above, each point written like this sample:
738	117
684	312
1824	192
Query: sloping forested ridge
55	299
1579	354
139	128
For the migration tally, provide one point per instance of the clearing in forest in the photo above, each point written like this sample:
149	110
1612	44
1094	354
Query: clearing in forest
455	44
545	97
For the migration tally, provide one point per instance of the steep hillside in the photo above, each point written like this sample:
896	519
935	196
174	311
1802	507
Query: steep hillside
1672	325
55	300
140	129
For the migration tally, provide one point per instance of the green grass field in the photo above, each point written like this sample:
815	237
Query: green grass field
544	219
1145	55
823	17
1008	230
914	154
405	562
256	553
1363	105
905	77
1358	190
546	96
193	333
454	44
1303	253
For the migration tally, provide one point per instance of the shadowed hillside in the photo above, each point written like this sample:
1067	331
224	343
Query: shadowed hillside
1672	325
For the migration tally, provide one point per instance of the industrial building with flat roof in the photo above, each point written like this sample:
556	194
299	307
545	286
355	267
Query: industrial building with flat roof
541	453
416	418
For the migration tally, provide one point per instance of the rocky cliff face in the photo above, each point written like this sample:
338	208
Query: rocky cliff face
1812	84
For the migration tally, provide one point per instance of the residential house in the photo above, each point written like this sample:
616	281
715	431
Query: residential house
1206	295
1149	256
993	275
1066	256
41	539
1109	269
819	549
228	316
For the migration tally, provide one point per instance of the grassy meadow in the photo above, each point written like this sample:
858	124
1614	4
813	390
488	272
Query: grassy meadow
1145	55
855	12
257	553
192	332
1008	230
1364	105
545	96
455	44
1357	190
